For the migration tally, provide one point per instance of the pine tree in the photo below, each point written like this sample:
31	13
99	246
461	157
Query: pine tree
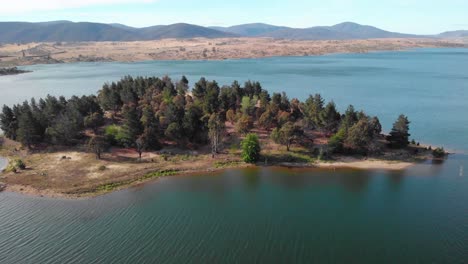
399	136
132	127
8	122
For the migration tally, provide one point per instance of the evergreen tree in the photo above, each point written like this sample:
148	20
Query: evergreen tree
399	135
8	122
132	127
28	131
313	108
330	118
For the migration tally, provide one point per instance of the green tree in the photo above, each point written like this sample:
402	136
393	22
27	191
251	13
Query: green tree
132	126
8	122
287	135
312	108
94	121
174	132
330	118
28	130
350	118
399	135
360	136
251	148
336	142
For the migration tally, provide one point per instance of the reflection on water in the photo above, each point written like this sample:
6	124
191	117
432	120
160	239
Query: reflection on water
251	215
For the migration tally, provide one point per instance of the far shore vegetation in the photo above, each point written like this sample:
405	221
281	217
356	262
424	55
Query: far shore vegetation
146	127
11	71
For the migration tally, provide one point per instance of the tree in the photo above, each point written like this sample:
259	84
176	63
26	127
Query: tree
287	135
193	124
336	142
350	118
109	98
94	120
216	129
330	118
399	135
97	144
231	116
312	108
267	119
141	144
28	132
8	122
360	136
251	148
132	126
65	128
150	127
182	86
211	102
244	124
174	132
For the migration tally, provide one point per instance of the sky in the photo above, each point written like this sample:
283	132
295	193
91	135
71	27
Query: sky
405	16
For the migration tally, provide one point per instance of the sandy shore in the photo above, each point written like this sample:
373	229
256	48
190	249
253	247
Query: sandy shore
341	162
201	49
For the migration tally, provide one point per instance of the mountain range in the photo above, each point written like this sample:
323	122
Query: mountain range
66	31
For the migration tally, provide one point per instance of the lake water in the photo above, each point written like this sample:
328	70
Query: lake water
269	215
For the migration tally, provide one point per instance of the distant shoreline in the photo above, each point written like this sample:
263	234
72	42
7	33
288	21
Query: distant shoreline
203	49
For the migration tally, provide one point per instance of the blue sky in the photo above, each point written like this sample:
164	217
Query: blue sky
410	16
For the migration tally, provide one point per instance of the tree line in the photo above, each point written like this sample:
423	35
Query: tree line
147	113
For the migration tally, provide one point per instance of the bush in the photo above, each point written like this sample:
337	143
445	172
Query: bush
102	168
16	165
251	148
335	144
115	135
439	153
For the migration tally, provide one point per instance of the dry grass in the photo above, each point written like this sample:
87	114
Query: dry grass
200	49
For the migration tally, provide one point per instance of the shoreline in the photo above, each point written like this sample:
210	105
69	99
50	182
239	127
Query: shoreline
201	49
341	163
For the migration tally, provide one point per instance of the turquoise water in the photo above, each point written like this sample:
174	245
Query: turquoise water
269	215
428	85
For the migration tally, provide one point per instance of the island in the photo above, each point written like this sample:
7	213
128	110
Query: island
11	71
143	128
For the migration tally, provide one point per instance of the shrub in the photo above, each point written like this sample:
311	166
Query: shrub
439	153
102	168
115	135
250	148
16	165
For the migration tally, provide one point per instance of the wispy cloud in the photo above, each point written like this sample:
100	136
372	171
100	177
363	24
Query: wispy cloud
21	6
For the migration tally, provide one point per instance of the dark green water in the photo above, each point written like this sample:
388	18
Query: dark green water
246	216
267	215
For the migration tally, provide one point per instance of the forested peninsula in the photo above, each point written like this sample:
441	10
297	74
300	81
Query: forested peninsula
142	128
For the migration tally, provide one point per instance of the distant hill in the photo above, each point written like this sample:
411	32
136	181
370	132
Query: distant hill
347	30
251	30
67	31
182	30
454	34
16	32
